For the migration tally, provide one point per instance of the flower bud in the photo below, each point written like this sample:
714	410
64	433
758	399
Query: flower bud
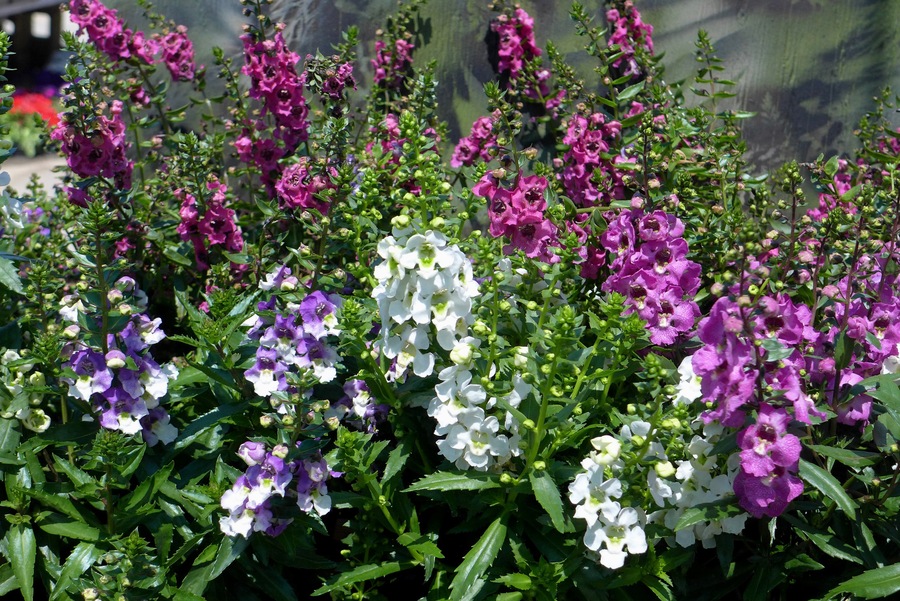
253	453
462	353
280	451
664	469
115	359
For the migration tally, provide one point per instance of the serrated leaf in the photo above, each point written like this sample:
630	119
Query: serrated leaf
828	486
362	574
469	575
9	277
83	556
450	481
22	551
547	494
420	543
396	460
872	584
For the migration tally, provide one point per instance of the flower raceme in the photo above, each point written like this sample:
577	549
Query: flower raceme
423	283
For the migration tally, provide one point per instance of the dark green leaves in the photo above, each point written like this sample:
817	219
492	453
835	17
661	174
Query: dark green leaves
469	575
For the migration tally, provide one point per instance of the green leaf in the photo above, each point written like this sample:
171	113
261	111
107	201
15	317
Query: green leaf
630	92
451	481
775	351
8	582
58	525
9	277
658	588
396	460
83	556
547	494
22	550
516	580
850	458
831	167
420	543
828	486
469	575
709	512
872	584
826	541
363	573
803	563
197	427
224	554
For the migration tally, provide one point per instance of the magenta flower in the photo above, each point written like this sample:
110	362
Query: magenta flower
766	444
767	495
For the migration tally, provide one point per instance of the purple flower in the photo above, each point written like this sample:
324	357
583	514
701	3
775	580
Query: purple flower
253	453
93	374
766	444
267	374
767	495
318	312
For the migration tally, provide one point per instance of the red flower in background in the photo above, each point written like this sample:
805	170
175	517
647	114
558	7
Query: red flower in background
33	102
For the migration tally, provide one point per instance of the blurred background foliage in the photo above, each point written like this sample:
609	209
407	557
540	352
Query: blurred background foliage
808	68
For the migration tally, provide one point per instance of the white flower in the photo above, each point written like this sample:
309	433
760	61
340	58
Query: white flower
474	442
34	419
625	531
594	495
891	365
688	389
607	449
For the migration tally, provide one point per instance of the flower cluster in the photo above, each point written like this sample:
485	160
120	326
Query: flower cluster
517	60
287	345
477	145
109	34
215	227
470	434
697	477
358	407
299	186
124	384
96	148
631	35
516	45
178	54
518	213
422	281
650	267
613	531
391	63
249	501
271	67
868	315
589	178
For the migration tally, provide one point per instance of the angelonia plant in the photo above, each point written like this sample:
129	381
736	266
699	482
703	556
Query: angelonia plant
296	339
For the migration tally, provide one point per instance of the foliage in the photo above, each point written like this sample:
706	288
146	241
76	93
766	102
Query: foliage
307	349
